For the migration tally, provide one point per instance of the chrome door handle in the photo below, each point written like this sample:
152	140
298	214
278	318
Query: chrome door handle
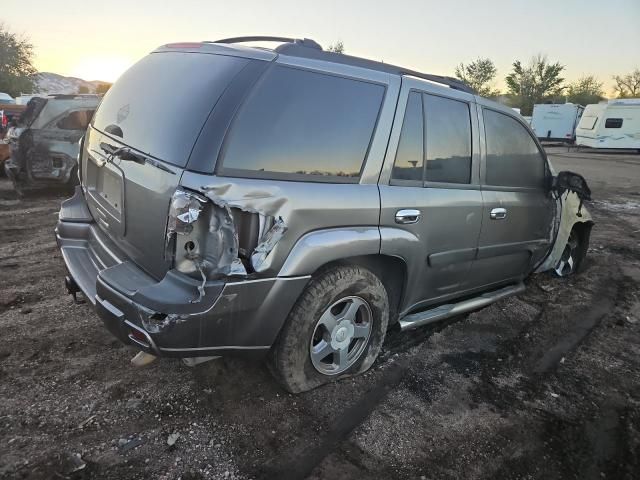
498	213
407	216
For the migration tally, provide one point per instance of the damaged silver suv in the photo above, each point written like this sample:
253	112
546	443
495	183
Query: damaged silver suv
298	202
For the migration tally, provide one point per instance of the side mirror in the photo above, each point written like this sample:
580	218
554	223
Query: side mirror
567	181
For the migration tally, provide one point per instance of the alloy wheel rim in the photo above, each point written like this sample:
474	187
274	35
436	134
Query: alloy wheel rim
341	335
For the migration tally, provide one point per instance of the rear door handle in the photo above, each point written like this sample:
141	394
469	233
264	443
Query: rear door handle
407	216
498	213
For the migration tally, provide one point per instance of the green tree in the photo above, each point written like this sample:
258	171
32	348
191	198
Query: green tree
103	88
537	82
585	90
83	89
627	86
479	75
337	47
16	69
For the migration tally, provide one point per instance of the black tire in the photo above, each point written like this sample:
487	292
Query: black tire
290	358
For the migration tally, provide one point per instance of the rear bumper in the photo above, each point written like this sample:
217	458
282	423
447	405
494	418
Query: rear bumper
238	317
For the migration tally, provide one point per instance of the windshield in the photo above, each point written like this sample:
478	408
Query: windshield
161	103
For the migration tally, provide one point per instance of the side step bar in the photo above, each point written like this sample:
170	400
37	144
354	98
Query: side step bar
452	309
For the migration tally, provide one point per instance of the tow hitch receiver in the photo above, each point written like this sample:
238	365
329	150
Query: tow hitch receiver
72	289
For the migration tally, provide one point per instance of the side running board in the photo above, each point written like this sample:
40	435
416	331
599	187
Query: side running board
452	309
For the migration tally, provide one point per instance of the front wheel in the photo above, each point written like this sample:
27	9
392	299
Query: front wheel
336	329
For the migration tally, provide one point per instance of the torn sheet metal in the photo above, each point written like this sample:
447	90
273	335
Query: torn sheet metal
269	240
572	212
203	234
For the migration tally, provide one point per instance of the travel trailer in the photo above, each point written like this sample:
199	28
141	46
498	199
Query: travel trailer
556	122
613	124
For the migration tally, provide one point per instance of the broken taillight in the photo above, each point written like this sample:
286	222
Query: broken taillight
201	240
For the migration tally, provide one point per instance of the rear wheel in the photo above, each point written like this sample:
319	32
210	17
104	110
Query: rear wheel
336	329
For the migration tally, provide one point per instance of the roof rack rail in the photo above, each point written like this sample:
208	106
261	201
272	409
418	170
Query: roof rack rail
306	42
448	81
308	48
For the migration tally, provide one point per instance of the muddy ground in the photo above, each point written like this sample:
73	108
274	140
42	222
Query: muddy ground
543	385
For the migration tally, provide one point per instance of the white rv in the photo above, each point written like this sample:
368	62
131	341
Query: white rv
556	121
614	124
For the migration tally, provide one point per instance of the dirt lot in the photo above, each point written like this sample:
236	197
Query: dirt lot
543	385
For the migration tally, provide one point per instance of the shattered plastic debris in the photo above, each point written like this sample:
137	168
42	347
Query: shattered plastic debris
189	216
172	439
73	463
269	241
184	210
142	359
131	444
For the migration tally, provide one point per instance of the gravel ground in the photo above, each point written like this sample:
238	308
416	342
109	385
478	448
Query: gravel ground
542	385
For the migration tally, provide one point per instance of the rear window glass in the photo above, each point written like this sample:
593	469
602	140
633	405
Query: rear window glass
161	103
298	123
613	123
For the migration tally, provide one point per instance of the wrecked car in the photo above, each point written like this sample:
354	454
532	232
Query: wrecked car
44	144
304	202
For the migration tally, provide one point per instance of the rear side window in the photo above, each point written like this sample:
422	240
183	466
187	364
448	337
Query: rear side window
302	124
613	123
448	140
161	103
513	158
409	164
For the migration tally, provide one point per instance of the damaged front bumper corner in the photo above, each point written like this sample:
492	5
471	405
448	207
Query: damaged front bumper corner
234	316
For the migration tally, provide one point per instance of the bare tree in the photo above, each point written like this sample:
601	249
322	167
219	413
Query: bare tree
627	86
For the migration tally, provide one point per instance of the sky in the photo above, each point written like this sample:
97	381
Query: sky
99	40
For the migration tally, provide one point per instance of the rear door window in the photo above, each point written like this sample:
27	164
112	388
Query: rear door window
161	103
299	124
513	158
408	164
448	142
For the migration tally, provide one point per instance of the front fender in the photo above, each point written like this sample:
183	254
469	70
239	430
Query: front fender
568	219
320	247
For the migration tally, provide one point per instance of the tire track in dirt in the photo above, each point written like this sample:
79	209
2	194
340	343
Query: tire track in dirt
306	459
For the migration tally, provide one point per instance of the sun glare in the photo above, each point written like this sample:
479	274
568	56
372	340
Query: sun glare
105	68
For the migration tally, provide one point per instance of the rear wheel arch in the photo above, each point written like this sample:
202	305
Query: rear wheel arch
391	270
